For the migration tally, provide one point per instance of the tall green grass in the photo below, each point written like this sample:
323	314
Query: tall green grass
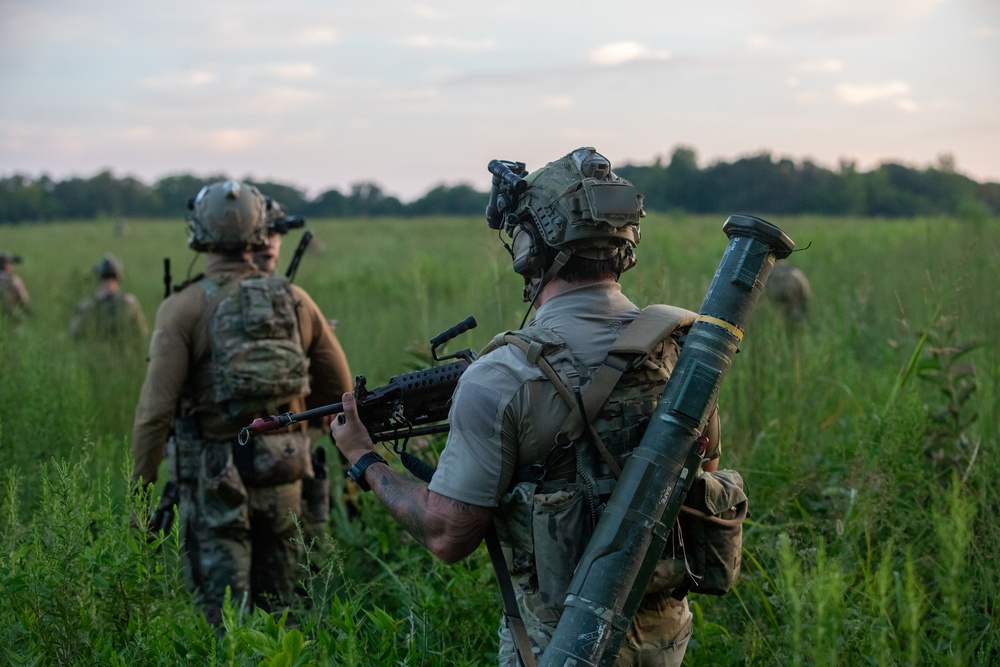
872	538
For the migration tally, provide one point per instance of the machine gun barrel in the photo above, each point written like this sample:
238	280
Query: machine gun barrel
618	563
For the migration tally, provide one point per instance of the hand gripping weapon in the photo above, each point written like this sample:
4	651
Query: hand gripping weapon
411	404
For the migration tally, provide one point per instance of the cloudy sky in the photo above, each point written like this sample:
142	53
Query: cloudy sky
322	94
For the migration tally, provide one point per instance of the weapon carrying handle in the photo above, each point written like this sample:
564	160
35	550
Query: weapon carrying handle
457	330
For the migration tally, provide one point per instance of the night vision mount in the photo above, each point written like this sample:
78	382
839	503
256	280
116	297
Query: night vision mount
508	186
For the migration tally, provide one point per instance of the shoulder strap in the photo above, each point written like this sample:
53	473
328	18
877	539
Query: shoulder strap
215	293
634	345
511	611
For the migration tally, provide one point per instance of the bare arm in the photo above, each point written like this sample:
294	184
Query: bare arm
450	529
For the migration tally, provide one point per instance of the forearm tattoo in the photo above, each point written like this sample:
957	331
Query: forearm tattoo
442	524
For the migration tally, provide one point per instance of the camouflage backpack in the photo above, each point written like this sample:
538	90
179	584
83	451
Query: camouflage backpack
258	362
550	523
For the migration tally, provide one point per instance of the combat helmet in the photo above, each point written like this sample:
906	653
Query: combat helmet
576	206
228	216
7	259
108	267
579	203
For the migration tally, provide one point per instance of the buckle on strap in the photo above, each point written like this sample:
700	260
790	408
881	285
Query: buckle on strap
613	360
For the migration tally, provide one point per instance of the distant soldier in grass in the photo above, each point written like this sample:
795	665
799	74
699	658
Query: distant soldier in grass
111	314
13	293
789	289
235	345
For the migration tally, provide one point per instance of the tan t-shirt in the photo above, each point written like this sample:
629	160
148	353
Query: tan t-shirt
13	294
506	414
179	361
109	315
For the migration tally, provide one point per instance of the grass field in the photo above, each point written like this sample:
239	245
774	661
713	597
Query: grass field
867	439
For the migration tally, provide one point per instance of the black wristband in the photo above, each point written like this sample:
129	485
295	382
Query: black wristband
357	471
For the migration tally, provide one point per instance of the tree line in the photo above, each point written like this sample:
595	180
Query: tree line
758	184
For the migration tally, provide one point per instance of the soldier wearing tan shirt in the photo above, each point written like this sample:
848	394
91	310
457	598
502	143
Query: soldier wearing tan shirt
238	503
572	233
13	294
111	314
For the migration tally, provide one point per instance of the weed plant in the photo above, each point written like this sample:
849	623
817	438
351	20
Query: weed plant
866	436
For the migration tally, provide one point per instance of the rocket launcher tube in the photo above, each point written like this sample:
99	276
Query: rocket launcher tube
618	563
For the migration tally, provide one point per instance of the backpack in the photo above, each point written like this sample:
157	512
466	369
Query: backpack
703	552
258	362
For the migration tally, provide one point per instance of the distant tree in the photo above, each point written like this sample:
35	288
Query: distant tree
329	204
890	192
25	199
292	198
103	195
989	194
752	184
367	199
174	192
444	200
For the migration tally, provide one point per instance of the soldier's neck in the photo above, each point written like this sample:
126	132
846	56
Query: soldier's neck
558	286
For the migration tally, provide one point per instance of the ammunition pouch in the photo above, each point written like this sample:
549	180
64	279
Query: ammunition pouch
316	493
705	549
185	448
267	460
273	459
547	529
221	494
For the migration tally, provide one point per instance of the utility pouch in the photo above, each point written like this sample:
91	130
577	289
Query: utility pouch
515	528
561	529
280	458
316	491
546	528
185	448
708	535
221	495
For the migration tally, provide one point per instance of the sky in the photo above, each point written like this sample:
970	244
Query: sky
411	95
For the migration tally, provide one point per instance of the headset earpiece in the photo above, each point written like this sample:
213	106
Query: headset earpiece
527	250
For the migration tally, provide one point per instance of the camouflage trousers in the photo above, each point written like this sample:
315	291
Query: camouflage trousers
658	636
242	537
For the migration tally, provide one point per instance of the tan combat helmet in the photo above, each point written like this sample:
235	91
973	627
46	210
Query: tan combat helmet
7	259
228	216
576	206
109	267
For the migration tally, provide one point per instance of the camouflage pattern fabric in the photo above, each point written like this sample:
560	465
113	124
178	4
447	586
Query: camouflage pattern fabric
13	296
658	636
109	316
237	531
239	536
257	355
789	289
547	524
316	503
